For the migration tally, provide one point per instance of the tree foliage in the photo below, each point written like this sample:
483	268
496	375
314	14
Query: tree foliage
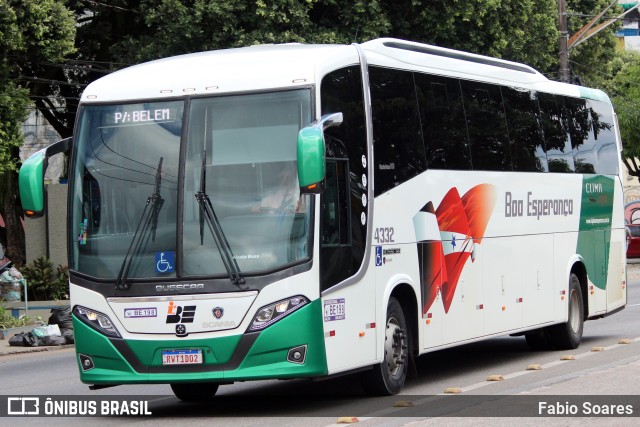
31	32
592	61
117	33
624	90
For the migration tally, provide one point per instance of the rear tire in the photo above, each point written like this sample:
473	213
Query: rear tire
389	376
567	336
194	392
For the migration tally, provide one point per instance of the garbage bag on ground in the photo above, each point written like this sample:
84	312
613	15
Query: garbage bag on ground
17	340
24	339
52	340
68	335
61	317
47	331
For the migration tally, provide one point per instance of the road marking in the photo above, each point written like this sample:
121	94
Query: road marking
395	411
545	366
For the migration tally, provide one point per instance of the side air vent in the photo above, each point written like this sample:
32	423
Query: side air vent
459	55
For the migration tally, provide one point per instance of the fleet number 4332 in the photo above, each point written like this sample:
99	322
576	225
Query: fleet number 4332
384	235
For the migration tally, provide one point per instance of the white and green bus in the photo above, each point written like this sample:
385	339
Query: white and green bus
304	211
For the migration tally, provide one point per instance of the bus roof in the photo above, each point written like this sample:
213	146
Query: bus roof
291	65
221	71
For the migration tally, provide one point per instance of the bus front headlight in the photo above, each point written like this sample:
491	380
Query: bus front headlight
270	314
98	321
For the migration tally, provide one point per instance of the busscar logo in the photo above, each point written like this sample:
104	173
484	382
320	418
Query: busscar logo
23	406
180	314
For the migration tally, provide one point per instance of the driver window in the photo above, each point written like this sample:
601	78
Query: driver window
335	229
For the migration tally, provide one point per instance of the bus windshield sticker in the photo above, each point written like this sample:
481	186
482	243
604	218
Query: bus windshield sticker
165	261
82	236
334	309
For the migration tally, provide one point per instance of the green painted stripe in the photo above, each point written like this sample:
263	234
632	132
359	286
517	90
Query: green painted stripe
594	239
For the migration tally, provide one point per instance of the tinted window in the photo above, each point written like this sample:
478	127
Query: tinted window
341	92
334	228
604	136
487	126
398	148
523	121
442	117
555	129
580	132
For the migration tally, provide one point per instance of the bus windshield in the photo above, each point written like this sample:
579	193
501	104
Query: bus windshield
137	214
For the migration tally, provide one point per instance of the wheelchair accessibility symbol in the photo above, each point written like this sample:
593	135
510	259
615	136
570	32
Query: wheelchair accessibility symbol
165	262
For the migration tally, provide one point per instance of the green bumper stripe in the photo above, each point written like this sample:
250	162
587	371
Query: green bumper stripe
266	358
594	239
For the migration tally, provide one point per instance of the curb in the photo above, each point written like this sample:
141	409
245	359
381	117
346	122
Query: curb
22	350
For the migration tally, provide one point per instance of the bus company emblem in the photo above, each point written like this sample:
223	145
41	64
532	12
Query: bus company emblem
451	233
180	314
181	330
218	312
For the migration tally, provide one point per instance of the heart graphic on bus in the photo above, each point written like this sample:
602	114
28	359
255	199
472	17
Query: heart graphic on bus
447	236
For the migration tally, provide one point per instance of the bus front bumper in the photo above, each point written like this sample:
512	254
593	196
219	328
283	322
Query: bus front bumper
249	356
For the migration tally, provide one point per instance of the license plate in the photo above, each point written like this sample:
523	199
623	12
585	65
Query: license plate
181	357
334	309
130	313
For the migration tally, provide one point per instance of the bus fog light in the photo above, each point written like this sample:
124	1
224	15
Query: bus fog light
297	354
272	313
86	362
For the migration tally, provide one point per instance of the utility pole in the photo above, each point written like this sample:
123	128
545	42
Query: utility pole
564	41
582	35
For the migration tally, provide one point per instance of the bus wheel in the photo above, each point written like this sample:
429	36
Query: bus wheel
389	376
194	392
566	336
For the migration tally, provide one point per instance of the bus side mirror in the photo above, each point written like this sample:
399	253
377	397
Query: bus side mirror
311	154
31	178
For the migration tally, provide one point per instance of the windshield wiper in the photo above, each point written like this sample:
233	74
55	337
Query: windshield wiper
208	214
148	221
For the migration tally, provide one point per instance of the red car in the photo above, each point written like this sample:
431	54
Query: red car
633	241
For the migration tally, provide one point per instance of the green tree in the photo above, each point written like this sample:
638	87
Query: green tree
592	61
117	33
624	89
31	32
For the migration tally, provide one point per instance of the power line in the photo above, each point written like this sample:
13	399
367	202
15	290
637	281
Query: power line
112	7
53	82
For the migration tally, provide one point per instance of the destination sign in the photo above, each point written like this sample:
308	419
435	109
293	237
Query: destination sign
141	116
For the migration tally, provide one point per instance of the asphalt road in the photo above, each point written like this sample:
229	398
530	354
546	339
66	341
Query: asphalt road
612	370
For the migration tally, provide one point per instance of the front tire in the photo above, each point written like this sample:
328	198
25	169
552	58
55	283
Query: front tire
194	392
389	376
567	336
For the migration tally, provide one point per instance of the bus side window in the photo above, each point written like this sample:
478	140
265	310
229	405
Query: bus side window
605	137
525	134
397	135
581	133
443	122
555	129
487	126
334	226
